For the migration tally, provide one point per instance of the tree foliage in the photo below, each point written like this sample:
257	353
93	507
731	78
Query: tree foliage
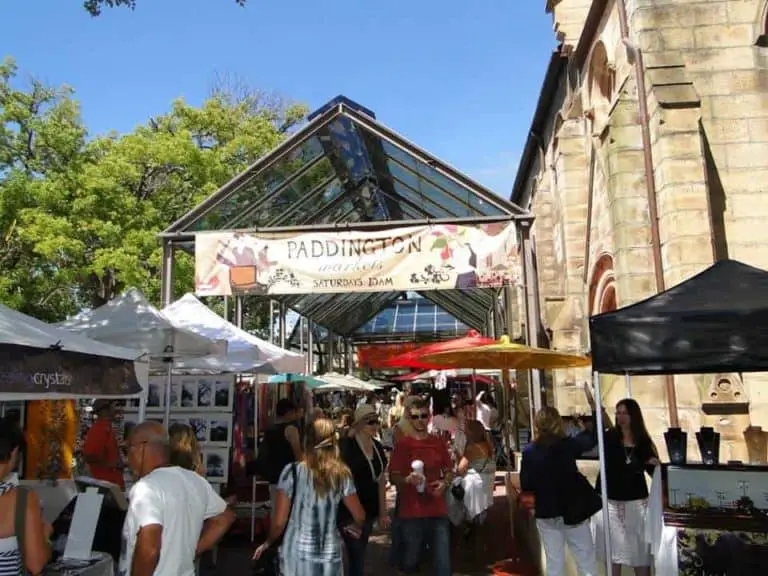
79	215
94	7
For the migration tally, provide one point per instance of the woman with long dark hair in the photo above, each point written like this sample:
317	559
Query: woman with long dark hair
307	503
629	455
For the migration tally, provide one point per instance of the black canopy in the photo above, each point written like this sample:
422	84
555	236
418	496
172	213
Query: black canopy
716	321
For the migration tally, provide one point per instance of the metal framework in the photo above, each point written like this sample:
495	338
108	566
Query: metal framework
346	170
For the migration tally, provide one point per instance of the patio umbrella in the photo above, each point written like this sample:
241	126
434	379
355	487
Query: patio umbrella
417	358
309	381
506	355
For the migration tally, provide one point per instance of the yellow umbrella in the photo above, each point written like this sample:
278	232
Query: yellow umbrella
507	355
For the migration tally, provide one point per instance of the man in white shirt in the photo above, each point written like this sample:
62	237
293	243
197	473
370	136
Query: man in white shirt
173	514
484	411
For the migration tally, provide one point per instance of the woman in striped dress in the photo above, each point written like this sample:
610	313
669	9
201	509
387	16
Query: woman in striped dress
37	552
307	503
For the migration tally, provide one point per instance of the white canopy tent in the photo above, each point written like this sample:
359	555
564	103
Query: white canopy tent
132	321
345	382
39	359
246	353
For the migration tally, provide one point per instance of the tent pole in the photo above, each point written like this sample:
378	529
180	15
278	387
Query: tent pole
628	382
167	403
603	481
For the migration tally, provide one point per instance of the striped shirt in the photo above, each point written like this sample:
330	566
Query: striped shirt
10	557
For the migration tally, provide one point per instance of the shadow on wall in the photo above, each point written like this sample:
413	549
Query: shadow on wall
716	198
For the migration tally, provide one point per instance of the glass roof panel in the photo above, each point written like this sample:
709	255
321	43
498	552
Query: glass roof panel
359	163
416	319
255	189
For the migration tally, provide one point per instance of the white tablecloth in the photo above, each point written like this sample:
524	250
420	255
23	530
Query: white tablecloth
101	565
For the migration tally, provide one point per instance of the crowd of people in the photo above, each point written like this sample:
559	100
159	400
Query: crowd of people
328	485
173	515
329	480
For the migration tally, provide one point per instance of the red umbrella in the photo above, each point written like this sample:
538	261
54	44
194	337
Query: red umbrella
412	359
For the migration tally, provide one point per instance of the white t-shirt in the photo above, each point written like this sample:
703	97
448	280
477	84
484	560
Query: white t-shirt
180	501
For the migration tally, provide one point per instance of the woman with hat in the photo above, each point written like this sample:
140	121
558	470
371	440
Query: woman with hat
366	459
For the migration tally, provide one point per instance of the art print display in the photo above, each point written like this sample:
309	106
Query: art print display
190	393
211	429
216	463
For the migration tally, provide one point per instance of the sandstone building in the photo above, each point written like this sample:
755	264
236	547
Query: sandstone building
646	161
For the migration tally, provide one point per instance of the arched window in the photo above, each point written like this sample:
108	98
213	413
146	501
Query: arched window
601	85
762	39
602	288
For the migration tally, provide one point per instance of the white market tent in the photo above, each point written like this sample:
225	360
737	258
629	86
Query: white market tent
130	320
347	382
246	353
39	359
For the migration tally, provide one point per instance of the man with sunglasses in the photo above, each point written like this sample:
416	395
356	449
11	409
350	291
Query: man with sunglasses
423	512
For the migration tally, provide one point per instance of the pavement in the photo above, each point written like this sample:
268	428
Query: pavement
472	556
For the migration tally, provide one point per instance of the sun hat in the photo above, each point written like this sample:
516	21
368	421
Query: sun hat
364	413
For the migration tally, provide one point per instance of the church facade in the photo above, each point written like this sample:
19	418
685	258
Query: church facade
646	161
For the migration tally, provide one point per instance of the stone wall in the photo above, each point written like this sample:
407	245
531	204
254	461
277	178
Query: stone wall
707	90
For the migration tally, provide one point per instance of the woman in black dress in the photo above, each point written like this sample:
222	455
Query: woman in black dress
367	460
629	455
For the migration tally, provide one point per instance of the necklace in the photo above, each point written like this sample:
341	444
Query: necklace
628	451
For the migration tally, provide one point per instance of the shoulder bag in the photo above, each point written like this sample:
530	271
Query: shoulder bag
20	524
269	562
582	501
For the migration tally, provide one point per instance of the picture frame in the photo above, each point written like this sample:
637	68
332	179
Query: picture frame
213	430
190	393
216	462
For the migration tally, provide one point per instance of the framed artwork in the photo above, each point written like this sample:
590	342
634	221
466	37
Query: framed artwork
190	393
211	429
216	462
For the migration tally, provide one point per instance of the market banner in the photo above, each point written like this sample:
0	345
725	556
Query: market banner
33	372
429	257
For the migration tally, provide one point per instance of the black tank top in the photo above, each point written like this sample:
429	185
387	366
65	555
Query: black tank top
279	451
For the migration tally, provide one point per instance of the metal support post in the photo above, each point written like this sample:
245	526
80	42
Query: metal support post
239	311
310	347
283	335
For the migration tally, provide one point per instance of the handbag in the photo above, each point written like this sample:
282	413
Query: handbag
20	524
269	562
582	501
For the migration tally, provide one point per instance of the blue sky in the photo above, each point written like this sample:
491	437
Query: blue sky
458	78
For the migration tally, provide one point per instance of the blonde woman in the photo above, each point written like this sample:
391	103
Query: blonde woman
185	451
548	470
310	492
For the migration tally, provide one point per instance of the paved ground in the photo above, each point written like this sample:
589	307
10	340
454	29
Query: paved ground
471	557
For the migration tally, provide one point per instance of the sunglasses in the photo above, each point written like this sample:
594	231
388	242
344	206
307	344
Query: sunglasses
372	422
421	416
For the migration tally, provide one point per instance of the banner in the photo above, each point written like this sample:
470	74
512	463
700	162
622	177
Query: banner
436	257
41	372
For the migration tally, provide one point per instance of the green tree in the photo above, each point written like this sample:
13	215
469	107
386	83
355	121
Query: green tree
94	7
79	217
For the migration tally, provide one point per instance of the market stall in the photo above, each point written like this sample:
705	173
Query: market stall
131	320
715	514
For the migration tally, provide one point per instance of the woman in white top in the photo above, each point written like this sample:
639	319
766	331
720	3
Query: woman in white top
37	551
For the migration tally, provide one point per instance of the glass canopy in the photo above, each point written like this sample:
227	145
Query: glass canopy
344	167
416	318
